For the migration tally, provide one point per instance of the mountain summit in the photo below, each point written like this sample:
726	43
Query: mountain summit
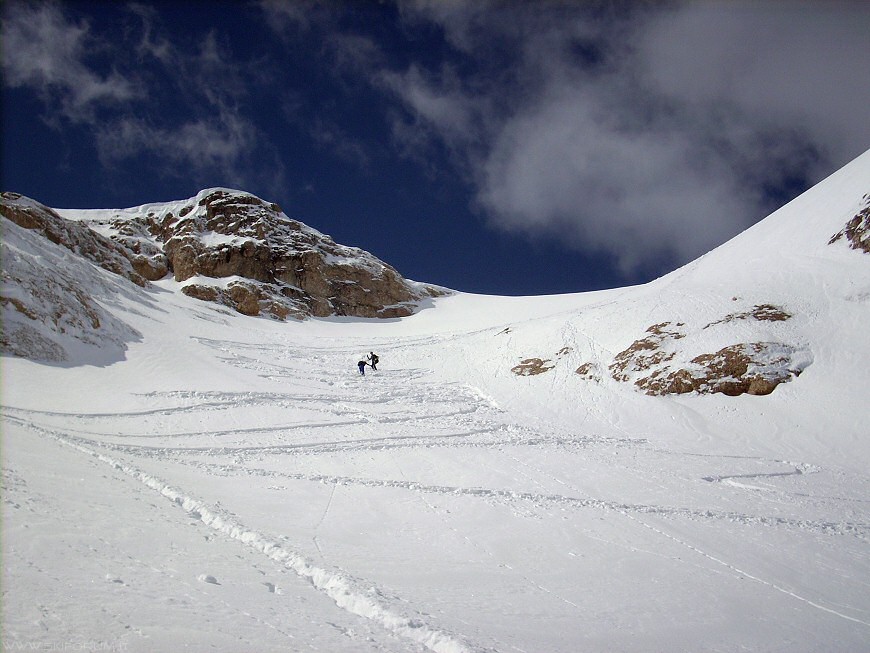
231	247
222	246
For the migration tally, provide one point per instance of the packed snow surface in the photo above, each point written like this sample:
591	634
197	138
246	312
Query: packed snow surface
233	483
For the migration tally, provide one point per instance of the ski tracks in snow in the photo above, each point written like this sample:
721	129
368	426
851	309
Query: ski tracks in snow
354	595
332	412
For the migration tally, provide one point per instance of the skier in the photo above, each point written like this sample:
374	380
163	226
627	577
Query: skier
362	367
373	357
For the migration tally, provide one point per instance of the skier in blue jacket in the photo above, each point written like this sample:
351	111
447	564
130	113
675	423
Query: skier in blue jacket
362	367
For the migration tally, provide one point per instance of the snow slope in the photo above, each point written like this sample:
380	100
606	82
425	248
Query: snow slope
233	484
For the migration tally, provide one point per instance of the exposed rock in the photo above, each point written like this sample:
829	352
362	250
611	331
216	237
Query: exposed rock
245	297
223	233
250	299
76	237
532	367
857	230
769	313
747	368
136	235
636	359
589	371
203	292
760	312
659	365
535	366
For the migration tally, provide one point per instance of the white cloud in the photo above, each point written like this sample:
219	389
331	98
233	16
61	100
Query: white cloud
649	135
438	103
177	101
799	65
44	51
220	145
636	195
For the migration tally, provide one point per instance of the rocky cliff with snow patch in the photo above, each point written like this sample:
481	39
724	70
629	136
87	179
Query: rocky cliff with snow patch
75	237
222	246
857	230
671	358
236	249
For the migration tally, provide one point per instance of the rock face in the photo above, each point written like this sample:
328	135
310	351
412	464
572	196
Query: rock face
662	363
857	230
754	368
231	248
241	251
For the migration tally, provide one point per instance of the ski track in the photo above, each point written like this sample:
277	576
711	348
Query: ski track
355	595
451	416
516	437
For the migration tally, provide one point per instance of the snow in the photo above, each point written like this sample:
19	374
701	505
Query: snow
47	280
214	239
232	483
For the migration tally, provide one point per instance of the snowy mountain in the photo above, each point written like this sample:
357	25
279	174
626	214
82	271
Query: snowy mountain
222	246
588	472
239	250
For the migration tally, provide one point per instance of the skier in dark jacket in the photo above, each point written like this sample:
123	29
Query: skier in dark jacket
373	358
362	367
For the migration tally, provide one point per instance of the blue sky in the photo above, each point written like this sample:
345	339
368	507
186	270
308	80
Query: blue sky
503	148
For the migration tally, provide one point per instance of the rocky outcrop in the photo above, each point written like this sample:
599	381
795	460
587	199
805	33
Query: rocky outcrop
532	367
241	251
857	230
138	241
663	363
589	371
535	366
232	248
759	312
748	368
76	237
249	298
646	353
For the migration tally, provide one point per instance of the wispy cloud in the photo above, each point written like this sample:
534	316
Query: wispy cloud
438	102
203	146
800	66
202	133
282	15
45	51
